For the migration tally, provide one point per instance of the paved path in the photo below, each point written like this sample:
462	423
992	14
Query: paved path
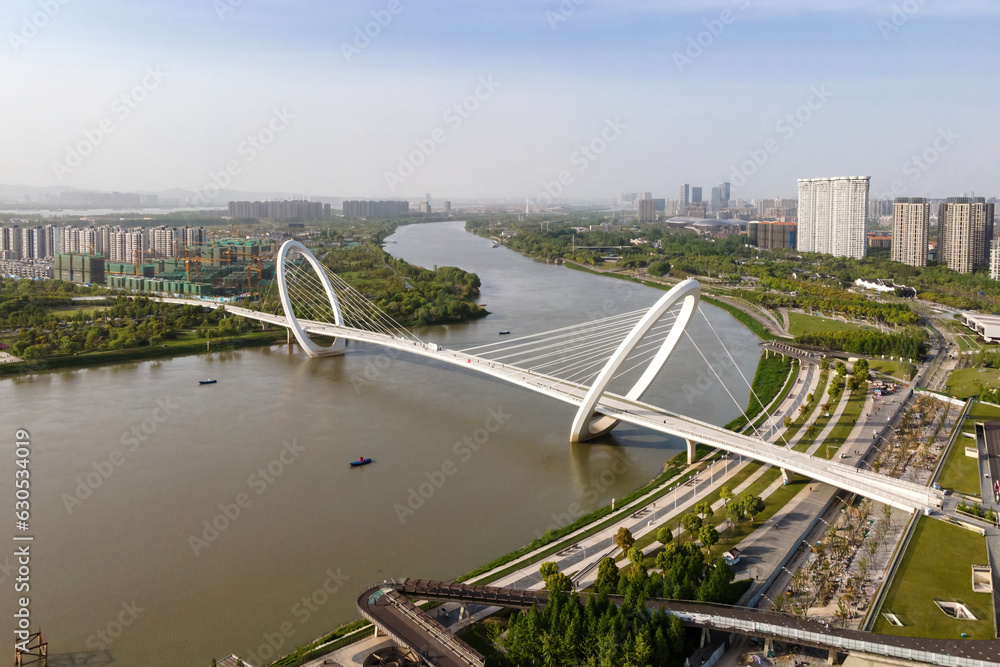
772	325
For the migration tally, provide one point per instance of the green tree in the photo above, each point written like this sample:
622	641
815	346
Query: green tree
607	576
692	524
664	535
812	430
708	536
624	539
635	555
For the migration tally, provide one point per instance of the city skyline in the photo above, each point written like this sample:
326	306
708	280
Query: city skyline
497	101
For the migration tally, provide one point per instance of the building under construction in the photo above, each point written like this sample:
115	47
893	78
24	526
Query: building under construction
224	268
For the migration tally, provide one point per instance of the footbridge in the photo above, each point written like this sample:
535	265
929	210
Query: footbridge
576	365
767	625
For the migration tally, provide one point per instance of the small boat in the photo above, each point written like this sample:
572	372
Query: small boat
504	332
496	244
209	381
361	462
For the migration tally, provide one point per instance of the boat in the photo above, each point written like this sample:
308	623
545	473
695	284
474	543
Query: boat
504	332
362	461
208	381
496	244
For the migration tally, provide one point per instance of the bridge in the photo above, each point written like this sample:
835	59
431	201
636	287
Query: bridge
575	365
382	605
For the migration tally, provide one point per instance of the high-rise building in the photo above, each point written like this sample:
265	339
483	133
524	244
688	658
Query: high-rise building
161	241
696	194
832	214
772	235
725	194
447	206
10	242
29	242
647	210
965	230
995	259
279	210
685	196
911	218
716	202
375	209
127	246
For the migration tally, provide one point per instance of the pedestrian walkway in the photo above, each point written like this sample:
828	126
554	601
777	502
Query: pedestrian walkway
838	412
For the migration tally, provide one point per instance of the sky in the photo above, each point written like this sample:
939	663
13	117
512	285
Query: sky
515	99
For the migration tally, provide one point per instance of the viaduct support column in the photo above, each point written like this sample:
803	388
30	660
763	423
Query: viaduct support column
768	646
706	637
786	477
692	456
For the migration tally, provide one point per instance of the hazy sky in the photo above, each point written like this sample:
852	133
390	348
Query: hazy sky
157	94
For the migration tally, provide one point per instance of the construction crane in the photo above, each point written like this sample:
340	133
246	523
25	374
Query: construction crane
259	268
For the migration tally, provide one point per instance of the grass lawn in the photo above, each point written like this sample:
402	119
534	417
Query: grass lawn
96	306
960	472
966	342
937	564
789	383
897	369
964	383
980	412
771	376
800	323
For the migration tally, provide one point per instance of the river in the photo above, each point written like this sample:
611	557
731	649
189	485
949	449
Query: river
132	464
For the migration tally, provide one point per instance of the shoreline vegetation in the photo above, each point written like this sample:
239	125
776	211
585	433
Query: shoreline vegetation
47	329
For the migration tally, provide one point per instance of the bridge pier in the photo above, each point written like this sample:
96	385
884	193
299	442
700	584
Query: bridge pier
692	456
463	612
289	332
786	477
706	637
768	646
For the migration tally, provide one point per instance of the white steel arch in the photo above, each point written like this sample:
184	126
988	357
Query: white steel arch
312	349
586	424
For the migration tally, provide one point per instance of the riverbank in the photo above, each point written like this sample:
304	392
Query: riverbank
172	349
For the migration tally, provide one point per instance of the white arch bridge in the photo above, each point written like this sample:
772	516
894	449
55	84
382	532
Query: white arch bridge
575	365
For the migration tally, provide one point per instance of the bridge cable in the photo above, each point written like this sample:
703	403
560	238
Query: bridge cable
769	417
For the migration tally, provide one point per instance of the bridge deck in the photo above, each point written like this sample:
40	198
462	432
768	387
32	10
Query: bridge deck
409	626
881	488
